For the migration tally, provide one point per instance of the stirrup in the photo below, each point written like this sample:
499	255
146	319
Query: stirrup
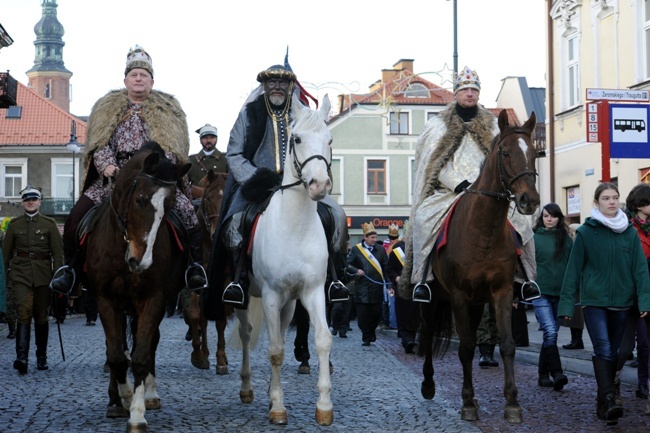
337	287
196	265
63	270
234	286
533	291
415	289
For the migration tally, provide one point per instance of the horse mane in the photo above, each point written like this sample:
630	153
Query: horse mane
162	170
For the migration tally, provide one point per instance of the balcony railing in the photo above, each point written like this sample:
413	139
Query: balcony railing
56	206
8	90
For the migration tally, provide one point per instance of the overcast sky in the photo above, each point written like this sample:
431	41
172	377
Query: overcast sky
208	52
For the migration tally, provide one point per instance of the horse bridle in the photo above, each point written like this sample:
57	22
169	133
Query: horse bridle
204	212
299	166
506	194
122	222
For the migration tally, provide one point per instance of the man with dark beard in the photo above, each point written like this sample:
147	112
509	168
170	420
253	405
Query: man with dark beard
258	145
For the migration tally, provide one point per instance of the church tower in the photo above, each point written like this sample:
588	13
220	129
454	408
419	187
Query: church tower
49	77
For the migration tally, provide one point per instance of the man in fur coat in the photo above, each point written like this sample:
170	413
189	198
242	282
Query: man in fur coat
258	145
120	123
448	159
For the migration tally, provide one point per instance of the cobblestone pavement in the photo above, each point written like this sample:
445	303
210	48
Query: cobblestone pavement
374	389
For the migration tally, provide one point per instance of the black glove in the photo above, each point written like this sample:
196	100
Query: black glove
462	186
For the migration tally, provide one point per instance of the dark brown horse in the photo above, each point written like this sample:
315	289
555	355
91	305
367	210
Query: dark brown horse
208	215
135	267
479	261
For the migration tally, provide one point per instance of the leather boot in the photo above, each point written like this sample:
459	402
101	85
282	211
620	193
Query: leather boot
491	362
483	355
12	330
195	277
543	380
65	278
41	333
554	364
576	340
23	331
422	293
607	408
236	293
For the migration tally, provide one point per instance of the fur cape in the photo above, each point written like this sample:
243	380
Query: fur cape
160	111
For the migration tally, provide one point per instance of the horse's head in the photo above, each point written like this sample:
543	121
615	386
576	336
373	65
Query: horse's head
213	185
310	154
516	157
144	193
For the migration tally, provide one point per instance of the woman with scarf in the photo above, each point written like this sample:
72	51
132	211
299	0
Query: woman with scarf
608	269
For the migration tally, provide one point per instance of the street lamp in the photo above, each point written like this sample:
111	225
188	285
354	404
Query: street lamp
73	147
455	39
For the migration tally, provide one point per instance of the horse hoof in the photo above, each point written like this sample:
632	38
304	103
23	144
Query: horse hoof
152	403
324	417
246	397
331	369
140	427
469	413
304	369
428	390
116	412
201	362
512	414
278	418
222	370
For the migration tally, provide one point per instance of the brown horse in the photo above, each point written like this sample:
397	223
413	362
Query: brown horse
479	261
208	216
135	267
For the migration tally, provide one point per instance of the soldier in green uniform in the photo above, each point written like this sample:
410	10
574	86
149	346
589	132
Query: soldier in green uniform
208	158
32	249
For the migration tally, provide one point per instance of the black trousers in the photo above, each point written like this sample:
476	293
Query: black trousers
368	318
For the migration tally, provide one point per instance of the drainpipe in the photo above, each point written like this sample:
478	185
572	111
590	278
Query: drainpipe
550	104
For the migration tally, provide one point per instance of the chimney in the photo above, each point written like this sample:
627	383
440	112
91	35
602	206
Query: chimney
404	64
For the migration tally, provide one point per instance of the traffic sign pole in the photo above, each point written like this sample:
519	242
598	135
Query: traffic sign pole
605	142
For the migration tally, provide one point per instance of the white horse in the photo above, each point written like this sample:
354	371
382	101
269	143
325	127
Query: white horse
290	259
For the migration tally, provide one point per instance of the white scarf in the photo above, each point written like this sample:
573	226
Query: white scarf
618	224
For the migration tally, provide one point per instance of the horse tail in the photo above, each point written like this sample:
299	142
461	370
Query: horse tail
255	316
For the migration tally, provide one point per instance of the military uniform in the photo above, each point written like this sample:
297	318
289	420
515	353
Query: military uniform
202	163
32	250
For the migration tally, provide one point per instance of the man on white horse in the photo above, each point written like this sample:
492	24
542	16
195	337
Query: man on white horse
448	158
258	145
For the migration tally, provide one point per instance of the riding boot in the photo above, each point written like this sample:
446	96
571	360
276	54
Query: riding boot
483	352
554	364
606	408
422	293
236	293
12	330
491	362
195	277
23	331
68	274
41	333
543	380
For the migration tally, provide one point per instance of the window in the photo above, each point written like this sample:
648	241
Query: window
14	177
645	22
337	180
14	112
417	90
399	123
376	176
431	115
62	179
573	71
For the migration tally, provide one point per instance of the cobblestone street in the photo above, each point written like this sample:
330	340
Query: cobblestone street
374	389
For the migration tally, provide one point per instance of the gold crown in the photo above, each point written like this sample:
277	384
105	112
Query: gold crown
368	228
393	230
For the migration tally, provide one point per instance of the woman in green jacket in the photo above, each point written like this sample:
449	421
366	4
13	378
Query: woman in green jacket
552	250
609	271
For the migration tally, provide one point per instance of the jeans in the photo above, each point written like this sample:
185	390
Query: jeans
606	328
546	314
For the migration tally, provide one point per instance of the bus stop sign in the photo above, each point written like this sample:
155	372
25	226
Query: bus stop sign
628	131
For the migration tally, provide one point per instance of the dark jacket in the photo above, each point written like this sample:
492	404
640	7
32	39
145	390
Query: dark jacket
550	272
607	269
367	291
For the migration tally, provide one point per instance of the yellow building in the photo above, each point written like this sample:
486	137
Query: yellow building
601	45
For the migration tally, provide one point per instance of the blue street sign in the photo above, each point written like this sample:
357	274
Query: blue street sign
628	131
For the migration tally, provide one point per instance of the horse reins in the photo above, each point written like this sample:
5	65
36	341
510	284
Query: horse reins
299	166
507	194
122	222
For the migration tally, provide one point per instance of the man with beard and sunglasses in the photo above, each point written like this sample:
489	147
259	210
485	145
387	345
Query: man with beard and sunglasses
258	146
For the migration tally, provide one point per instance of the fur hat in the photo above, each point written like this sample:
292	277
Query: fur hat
466	79
393	231
207	130
138	58
368	229
277	72
31	192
